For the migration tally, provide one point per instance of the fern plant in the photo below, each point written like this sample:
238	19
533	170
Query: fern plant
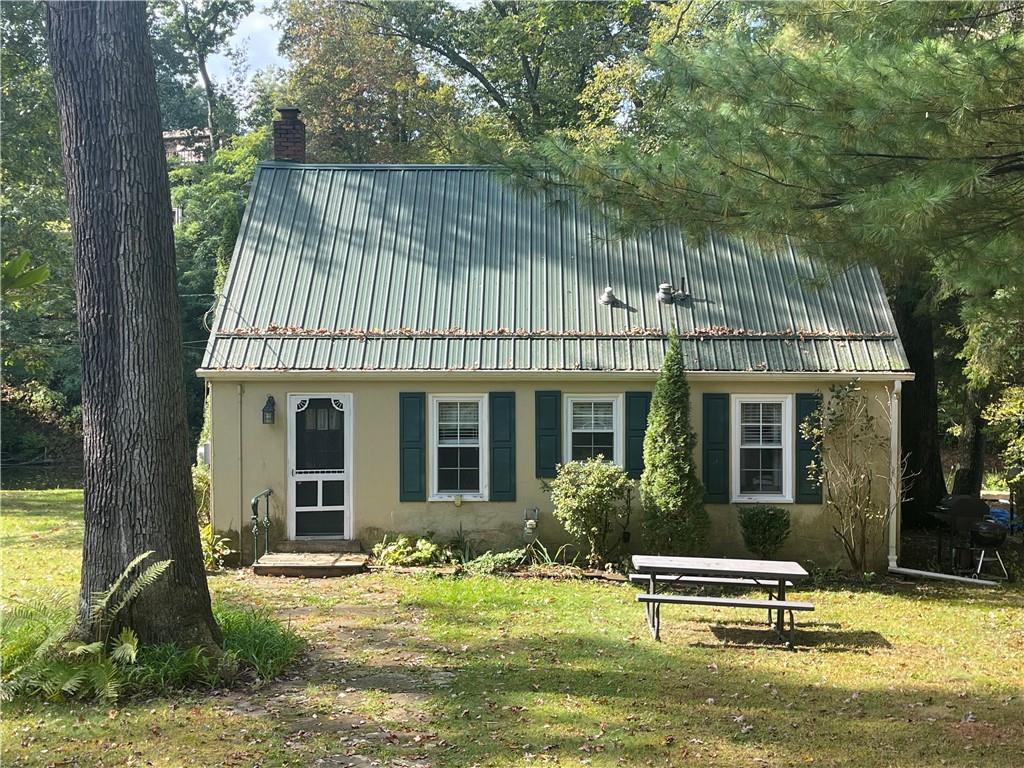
39	658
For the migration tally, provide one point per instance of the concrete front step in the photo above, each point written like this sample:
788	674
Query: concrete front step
310	565
318	545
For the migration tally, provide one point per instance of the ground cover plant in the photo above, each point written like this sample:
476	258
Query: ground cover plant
497	671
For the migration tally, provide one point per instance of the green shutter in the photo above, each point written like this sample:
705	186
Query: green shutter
637	406
548	432
503	446
807	491
412	446
715	442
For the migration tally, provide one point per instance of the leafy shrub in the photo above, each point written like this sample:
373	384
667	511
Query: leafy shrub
853	467
590	498
401	552
672	496
201	492
491	563
215	548
1006	418
764	527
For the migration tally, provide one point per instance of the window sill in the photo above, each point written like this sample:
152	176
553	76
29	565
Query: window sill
762	499
454	496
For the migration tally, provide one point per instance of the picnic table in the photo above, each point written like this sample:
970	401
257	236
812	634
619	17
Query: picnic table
772	575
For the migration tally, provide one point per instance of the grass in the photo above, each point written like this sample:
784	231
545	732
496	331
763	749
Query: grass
500	672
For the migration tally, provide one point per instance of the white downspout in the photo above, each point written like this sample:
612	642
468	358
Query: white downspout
241	494
895	478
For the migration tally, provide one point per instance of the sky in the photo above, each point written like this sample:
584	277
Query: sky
257	37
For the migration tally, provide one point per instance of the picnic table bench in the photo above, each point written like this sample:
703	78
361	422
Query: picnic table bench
772	575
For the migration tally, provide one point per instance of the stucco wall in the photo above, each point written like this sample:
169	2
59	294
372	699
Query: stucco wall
248	456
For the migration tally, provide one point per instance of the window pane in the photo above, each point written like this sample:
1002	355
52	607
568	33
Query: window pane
592	416
334	493
458	422
447	480
761	470
447	458
306	493
320	436
586	445
458	470
469	480
761	424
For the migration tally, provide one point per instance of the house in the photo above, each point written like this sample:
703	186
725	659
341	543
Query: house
414	348
189	146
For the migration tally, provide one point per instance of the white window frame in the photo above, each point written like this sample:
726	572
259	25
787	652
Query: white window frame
618	424
435	401
788	431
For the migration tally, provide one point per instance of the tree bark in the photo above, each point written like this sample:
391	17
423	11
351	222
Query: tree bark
971	471
919	421
138	491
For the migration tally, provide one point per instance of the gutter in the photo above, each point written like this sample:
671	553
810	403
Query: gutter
235	374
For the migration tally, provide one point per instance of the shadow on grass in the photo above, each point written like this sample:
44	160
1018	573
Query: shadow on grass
822	637
646	702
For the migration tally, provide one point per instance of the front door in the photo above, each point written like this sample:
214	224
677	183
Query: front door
319	472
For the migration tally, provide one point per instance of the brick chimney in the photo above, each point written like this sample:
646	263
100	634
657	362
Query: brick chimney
289	136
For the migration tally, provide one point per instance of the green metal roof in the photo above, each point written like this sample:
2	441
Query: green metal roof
451	268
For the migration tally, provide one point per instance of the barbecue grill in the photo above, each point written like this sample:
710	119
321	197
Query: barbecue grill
974	536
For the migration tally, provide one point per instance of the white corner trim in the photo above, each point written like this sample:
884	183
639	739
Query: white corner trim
618	423
788	432
895	481
484	439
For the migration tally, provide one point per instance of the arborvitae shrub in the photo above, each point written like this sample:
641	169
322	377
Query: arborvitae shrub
675	521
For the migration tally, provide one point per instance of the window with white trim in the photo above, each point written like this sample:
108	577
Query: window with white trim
594	427
762	442
458	435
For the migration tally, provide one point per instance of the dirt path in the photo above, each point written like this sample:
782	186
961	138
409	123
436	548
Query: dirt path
360	695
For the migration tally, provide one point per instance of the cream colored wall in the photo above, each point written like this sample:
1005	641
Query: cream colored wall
237	425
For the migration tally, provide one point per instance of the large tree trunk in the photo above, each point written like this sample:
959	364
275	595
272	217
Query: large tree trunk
971	470
138	492
920	407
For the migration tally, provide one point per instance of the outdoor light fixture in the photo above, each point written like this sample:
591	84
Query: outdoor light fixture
268	410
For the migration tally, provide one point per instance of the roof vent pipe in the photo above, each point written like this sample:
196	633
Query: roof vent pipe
666	293
608	297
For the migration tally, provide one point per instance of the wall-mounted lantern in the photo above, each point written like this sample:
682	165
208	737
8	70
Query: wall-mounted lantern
268	410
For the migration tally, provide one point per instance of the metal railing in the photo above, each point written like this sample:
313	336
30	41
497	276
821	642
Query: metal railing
256	523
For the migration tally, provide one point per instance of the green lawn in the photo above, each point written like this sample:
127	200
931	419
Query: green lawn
418	671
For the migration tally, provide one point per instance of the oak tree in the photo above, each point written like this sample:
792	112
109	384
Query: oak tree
137	483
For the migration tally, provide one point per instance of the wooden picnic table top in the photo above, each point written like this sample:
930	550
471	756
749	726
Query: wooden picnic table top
719	566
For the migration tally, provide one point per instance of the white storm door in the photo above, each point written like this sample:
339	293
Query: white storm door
319	466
